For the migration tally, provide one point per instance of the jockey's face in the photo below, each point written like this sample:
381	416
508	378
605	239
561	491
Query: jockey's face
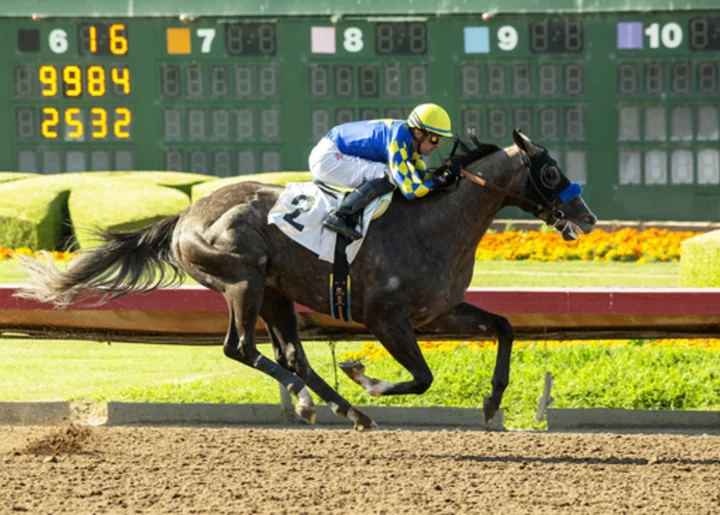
426	142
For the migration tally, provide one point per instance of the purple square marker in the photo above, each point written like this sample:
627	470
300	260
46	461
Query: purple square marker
629	35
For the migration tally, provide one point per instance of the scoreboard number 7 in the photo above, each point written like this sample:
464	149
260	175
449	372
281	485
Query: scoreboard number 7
207	36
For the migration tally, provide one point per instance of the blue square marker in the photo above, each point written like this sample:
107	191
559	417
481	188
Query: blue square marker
629	35
477	40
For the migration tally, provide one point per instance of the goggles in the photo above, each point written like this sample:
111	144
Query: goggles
434	138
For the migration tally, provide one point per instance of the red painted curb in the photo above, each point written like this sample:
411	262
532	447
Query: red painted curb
586	301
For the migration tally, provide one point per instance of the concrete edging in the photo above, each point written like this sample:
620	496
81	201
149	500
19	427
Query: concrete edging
34	413
130	413
558	419
568	419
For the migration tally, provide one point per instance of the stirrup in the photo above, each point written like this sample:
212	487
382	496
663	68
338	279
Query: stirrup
339	225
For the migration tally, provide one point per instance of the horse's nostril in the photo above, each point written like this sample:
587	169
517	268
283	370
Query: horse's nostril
590	218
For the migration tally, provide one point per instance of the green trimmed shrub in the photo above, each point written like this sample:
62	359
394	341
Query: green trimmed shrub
34	212
15	176
32	217
121	204
700	263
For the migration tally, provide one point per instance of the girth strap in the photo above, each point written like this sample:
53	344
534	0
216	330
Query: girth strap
340	286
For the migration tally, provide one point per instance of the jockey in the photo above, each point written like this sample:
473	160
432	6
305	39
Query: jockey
376	156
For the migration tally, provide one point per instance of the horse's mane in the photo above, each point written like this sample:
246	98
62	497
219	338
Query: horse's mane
470	153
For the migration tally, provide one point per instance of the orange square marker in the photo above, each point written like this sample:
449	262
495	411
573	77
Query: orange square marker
178	41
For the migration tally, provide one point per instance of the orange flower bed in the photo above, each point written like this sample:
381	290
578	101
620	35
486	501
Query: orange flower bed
57	255
374	351
547	245
623	245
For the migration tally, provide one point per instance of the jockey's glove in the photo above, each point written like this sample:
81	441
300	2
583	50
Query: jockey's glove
447	175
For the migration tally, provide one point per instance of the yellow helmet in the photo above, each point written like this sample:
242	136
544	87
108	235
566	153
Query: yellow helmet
431	118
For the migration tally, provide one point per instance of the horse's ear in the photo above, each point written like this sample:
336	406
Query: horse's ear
524	143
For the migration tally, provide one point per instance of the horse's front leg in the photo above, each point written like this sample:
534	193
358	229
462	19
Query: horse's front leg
467	319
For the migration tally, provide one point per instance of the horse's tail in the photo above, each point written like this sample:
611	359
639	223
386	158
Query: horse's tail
127	262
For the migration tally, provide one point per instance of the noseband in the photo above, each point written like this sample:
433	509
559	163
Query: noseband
532	164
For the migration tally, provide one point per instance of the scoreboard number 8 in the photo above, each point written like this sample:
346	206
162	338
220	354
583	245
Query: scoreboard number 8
352	39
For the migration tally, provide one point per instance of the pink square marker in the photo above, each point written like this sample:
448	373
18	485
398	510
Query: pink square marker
322	40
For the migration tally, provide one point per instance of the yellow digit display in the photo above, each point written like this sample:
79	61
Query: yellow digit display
92	33
121	77
122	122
75	126
118	42
72	79
47	75
73	123
99	122
50	122
96	81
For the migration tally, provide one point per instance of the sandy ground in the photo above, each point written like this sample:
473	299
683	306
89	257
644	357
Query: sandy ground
80	469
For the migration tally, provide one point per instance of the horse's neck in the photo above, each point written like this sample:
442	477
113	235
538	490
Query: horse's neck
480	205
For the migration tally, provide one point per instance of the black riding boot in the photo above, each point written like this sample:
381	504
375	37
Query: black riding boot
341	219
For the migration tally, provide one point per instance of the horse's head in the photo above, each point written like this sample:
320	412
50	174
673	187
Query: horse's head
557	200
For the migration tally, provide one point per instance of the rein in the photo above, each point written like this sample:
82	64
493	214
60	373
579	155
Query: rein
554	212
482	182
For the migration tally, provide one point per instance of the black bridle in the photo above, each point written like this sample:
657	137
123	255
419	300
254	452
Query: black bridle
536	196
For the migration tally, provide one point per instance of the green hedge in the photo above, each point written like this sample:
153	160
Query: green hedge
35	211
121	205
31	215
700	264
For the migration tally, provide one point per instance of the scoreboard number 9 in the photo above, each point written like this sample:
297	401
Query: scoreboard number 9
507	36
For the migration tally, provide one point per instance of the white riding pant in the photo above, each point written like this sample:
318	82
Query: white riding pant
329	165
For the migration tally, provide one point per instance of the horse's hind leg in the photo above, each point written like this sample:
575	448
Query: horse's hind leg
399	340
244	300
278	313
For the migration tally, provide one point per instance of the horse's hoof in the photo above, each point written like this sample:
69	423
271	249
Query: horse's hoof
351	365
490	409
361	420
305	407
353	369
306	413
361	428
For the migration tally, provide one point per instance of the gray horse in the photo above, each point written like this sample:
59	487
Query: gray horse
412	271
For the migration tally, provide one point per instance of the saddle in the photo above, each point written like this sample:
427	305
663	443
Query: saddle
340	280
299	212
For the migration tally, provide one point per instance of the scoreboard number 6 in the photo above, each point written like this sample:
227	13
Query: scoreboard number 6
58	41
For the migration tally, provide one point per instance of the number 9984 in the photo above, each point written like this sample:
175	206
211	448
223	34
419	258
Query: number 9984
73	81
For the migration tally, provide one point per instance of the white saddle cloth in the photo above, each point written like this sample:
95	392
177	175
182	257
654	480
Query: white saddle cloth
300	211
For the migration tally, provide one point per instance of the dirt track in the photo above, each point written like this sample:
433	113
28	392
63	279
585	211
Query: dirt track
76	469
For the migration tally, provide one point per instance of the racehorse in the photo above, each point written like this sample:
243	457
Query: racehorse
412	270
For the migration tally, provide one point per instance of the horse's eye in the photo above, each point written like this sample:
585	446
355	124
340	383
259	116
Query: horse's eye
551	176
